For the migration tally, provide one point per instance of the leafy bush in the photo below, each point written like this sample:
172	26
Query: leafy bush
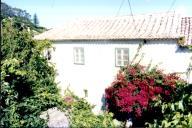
190	47
138	92
27	79
177	113
81	115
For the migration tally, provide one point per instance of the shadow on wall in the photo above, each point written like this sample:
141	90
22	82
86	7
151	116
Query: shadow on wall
103	101
181	49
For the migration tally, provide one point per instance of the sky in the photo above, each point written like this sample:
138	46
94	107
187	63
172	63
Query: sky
52	13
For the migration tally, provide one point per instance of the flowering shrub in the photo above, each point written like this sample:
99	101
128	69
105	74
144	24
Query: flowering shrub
137	90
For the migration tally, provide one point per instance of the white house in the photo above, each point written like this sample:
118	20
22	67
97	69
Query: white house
88	52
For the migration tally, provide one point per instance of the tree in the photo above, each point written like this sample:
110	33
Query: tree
35	20
21	16
27	80
8	11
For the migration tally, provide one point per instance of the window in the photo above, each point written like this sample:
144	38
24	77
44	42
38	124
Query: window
78	55
121	56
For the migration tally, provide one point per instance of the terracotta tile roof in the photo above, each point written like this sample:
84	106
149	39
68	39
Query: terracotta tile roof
154	26
186	29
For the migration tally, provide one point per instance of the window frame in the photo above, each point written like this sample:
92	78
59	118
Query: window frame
74	56
116	57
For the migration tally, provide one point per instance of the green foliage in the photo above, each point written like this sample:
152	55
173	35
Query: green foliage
27	79
81	114
21	18
35	20
176	114
8	11
22	22
190	47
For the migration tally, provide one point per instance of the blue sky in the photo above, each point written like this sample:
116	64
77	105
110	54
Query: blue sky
52	13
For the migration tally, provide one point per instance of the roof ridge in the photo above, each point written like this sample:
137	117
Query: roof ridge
148	26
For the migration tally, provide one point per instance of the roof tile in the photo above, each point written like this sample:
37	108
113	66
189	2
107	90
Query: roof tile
154	26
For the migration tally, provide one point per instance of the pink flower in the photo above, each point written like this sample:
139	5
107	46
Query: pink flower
152	82
167	92
120	77
131	87
153	98
138	112
142	100
136	89
68	99
158	90
132	71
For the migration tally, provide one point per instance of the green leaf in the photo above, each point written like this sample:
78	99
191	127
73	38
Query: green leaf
181	105
172	107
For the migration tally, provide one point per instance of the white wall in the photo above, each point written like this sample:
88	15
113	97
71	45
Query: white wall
99	69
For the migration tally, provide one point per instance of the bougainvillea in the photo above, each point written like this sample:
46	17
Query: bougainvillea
136	89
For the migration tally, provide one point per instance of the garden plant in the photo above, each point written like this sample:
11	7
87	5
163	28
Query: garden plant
150	98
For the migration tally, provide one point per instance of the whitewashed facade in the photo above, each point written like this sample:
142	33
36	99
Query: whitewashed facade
99	68
85	52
